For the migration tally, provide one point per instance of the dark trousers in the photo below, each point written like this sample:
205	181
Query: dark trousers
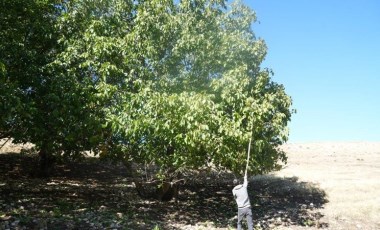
245	212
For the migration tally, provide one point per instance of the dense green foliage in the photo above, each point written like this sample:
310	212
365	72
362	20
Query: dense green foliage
177	84
41	103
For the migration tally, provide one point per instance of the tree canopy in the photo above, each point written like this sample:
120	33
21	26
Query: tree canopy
177	84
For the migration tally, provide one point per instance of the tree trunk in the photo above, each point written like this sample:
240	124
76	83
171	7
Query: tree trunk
163	191
168	191
156	189
45	163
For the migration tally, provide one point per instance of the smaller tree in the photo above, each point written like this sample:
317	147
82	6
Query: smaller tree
41	102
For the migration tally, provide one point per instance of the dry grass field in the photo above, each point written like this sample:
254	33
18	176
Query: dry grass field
349	173
324	186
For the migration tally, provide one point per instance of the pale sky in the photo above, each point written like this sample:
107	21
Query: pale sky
327	55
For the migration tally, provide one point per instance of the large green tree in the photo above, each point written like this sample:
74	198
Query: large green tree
182	80
171	84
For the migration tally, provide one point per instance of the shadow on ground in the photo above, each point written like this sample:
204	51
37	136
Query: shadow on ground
286	201
95	195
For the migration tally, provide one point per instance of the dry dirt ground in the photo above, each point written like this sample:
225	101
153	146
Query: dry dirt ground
348	172
324	186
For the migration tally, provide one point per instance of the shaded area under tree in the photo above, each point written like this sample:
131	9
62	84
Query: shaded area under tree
95	195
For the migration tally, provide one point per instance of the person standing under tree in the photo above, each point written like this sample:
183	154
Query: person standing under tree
244	206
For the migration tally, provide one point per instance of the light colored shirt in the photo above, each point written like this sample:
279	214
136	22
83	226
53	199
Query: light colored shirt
241	195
